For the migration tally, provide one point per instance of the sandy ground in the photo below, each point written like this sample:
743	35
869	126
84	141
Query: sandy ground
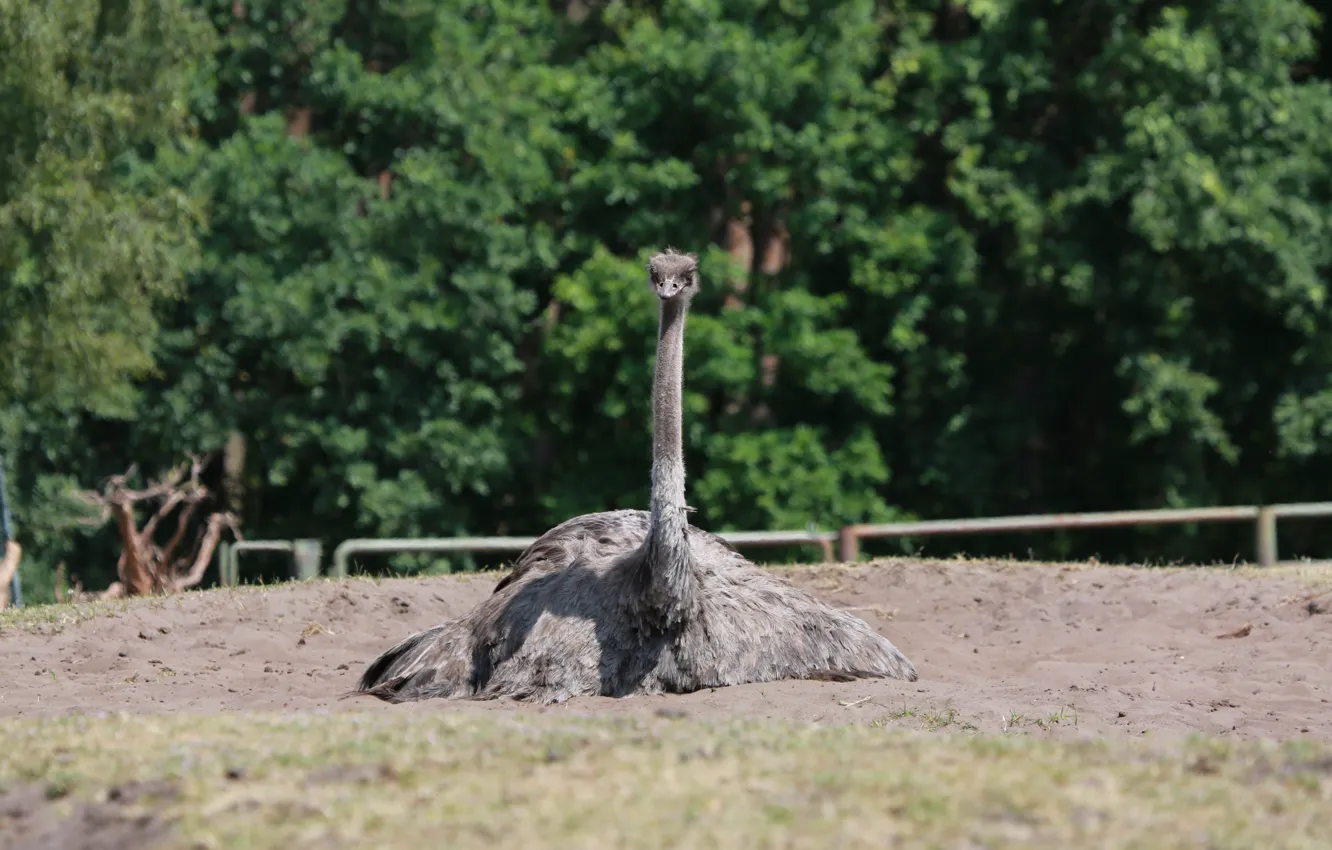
1086	651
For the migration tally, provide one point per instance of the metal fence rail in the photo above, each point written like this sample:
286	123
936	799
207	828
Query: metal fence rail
229	562
851	535
1306	509
1269	514
347	548
1265	518
306	553
305	557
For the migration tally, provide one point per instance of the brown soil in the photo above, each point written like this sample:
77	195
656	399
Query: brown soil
31	818
999	647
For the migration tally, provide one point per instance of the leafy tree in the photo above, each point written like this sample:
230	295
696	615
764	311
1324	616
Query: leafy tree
960	259
1142	196
90	241
375	233
86	249
714	123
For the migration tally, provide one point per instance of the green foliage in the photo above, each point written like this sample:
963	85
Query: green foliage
796	479
91	240
86	250
1036	257
367	347
1134	206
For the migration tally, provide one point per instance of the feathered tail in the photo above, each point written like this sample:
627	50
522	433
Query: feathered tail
410	665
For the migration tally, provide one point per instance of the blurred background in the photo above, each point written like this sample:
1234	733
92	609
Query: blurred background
381	261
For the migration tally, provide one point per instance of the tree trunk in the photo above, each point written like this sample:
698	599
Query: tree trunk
135	575
233	473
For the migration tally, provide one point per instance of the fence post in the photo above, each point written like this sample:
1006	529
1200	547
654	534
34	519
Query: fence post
6	535
848	542
1267	536
306	554
224	563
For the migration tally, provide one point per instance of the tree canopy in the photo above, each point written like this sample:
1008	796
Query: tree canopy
960	259
90	241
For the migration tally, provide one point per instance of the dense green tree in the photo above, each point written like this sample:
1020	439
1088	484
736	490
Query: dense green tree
1142	193
376	239
90	240
711	123
87	250
960	259
1051	257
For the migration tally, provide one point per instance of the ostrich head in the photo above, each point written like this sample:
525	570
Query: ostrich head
673	275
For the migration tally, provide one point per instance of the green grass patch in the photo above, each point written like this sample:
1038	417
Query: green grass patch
465	780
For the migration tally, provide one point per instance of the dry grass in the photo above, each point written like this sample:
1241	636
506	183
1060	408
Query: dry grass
482	781
50	619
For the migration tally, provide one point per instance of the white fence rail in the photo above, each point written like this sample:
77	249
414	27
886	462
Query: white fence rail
305	557
306	554
347	548
1264	517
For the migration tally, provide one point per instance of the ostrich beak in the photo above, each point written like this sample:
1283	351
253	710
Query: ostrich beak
669	288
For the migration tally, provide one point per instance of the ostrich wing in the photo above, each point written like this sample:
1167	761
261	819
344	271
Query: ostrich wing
582	630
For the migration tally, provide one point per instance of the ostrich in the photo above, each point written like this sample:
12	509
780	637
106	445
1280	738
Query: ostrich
631	602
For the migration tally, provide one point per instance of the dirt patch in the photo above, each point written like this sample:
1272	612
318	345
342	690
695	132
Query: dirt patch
40	818
999	647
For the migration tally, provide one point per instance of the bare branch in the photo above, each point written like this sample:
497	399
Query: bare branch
182	523
168	504
94	500
175	476
137	574
211	537
116	490
118	486
144	566
119	482
197	464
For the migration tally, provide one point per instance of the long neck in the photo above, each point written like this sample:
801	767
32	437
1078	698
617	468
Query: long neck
668	478
668	558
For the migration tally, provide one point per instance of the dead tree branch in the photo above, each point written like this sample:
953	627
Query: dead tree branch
147	567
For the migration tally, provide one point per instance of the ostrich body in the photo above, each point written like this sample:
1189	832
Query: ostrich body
632	602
